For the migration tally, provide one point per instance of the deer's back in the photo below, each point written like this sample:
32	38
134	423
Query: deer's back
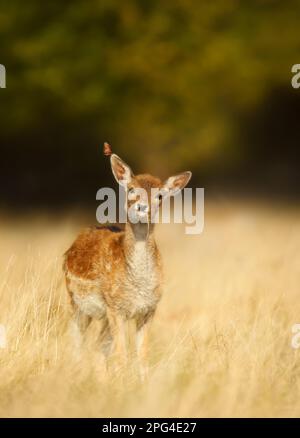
93	266
96	252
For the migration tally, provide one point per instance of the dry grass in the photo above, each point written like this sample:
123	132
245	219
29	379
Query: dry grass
221	340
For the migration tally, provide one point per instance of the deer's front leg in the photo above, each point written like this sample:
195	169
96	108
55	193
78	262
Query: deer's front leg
142	337
117	324
77	328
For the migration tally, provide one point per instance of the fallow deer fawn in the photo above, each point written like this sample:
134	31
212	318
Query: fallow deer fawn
116	275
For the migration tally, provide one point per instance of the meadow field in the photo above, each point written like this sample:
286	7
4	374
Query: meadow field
220	341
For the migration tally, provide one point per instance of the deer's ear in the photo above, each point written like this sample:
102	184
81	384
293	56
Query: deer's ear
121	170
176	183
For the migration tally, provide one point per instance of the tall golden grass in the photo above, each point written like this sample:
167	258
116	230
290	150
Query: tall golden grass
220	341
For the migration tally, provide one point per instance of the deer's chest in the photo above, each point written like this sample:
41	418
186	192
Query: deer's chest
142	279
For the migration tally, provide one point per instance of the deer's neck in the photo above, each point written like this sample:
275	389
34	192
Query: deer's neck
139	246
139	232
142	268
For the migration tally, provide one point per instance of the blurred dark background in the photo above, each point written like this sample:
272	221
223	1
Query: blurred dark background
172	85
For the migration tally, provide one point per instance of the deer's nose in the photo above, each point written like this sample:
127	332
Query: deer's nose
142	208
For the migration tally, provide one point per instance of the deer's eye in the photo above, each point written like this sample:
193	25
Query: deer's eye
159	197
131	193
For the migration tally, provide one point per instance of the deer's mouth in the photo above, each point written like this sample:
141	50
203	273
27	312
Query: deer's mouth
142	216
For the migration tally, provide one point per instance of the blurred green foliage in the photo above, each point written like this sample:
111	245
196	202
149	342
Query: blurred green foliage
171	84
